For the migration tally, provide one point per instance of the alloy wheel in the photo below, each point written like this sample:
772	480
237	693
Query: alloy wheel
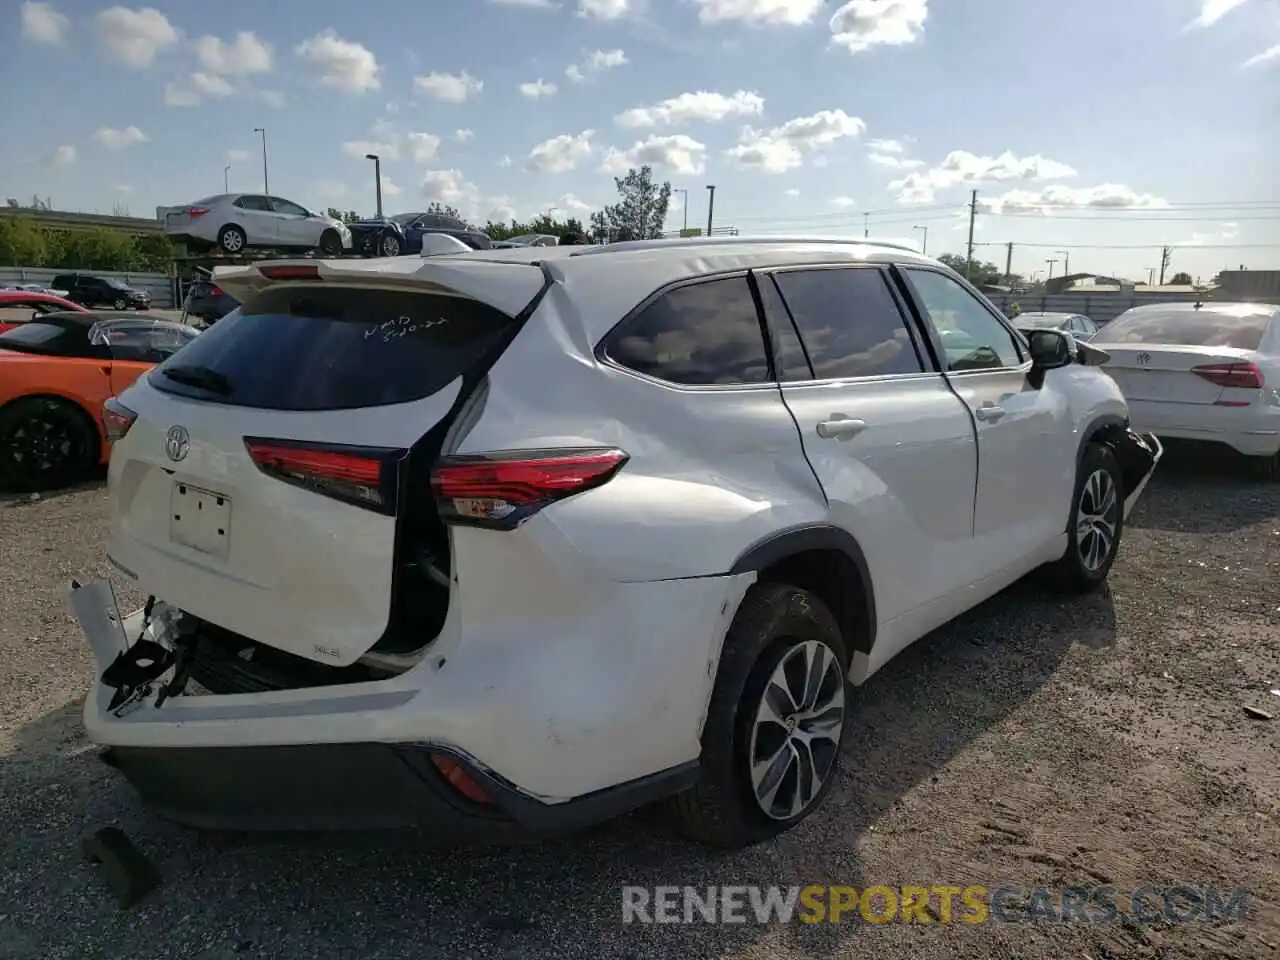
39	447
795	733
1097	518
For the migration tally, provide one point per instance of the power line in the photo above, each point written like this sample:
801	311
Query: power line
1128	218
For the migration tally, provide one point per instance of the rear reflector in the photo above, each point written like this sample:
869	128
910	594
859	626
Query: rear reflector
357	475
298	271
1242	376
502	490
117	419
460	779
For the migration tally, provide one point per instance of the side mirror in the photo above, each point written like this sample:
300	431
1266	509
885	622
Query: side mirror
1050	349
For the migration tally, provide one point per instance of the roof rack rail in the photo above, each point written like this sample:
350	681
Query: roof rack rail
665	242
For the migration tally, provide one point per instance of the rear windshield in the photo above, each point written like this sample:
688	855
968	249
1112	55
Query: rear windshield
335	348
1190	328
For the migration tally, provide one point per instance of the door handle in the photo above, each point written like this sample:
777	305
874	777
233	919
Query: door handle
989	412
840	427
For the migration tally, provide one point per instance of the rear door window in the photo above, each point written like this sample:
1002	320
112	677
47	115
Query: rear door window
335	348
1190	328
699	334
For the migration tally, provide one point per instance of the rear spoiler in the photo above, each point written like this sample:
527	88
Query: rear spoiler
505	286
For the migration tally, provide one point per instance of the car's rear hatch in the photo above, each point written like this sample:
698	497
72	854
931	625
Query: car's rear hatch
271	465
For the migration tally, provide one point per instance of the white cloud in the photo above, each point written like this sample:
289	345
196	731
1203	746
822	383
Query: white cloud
571	206
538	88
688	107
237	156
210	85
680	154
194	88
1266	56
604	9
343	64
63	157
782	148
526	4
272	98
123	188
505	162
423	146
243	55
962	167
331	190
448	186
862	24
562	153
42	23
449	87
1112	196
844	203
386	149
894	162
1211	11
114	139
791	13
594	63
135	37
501	210
463	135
792	192
179	94
389	188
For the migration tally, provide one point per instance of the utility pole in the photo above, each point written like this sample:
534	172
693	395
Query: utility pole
973	213
1164	263
377	178
1066	262
1151	276
684	204
1008	263
226	179
866	224
924	246
711	205
1051	263
266	188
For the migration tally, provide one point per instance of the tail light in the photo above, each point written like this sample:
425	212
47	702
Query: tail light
361	476
502	490
216	291
117	419
293	271
195	212
1235	376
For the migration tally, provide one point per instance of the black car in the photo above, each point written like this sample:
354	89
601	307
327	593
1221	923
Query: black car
402	234
90	291
208	302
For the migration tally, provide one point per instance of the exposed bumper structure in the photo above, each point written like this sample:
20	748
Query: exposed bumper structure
1139	454
584	719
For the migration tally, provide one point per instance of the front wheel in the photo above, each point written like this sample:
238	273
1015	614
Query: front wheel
389	245
119	303
775	725
330	243
1097	522
44	444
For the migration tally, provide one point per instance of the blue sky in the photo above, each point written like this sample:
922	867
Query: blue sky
1094	129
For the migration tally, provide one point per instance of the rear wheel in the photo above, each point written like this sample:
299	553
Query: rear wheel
389	245
45	444
330	243
1267	468
231	239
775	726
119	303
1097	523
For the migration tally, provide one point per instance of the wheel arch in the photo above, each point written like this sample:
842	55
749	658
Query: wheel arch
829	562
1111	429
95	427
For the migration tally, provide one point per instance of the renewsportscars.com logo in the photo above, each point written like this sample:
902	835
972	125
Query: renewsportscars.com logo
936	903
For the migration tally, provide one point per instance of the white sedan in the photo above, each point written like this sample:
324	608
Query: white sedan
233	222
1207	372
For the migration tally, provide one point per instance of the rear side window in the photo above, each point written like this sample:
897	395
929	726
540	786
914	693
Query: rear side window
334	348
1191	328
850	323
696	335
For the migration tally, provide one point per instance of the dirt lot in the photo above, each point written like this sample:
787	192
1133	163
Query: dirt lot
1035	742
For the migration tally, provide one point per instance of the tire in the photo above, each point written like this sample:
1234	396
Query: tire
119	304
1082	571
1267	468
231	239
388	245
45	444
775	623
331	243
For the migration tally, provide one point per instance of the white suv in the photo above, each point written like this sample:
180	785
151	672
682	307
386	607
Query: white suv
515	540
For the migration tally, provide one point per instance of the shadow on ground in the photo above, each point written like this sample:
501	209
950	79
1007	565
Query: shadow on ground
1191	487
272	895
16	499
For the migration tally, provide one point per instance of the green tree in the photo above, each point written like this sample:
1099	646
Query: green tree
641	212
26	243
444	210
980	273
22	243
539	224
346	216
1181	278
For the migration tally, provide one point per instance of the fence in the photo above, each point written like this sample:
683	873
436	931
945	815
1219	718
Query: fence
1098	307
159	285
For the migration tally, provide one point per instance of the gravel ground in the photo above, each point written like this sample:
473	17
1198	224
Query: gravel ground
1033	742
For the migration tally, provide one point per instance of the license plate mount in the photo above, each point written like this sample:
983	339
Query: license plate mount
200	519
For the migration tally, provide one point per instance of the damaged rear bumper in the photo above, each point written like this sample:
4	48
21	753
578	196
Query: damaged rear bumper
1139	454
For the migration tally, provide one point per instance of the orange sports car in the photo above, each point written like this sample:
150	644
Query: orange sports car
56	372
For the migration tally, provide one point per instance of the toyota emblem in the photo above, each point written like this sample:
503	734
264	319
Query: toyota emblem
177	442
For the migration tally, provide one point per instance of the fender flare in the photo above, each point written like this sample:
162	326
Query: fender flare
815	536
1098	423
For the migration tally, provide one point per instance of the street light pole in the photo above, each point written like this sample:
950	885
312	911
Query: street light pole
266	187
1051	263
684	202
924	247
377	178
711	205
1066	262
226	179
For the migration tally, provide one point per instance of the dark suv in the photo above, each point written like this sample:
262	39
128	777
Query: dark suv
402	234
208	302
102	292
